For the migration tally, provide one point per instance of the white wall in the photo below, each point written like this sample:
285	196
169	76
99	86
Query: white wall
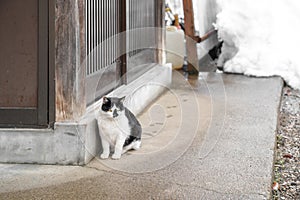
176	7
205	12
205	15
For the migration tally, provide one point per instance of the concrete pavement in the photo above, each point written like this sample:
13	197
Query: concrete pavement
209	137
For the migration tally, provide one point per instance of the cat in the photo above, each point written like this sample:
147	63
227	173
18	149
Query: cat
118	128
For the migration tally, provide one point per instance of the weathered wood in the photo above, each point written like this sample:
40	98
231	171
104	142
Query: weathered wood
123	57
191	45
51	86
161	33
69	59
204	37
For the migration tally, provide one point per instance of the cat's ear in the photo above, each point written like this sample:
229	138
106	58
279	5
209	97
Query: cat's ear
122	99
105	99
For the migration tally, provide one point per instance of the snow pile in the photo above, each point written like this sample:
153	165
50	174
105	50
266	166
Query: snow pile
261	38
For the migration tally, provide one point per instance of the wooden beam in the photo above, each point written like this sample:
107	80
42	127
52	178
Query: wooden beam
69	59
122	65
191	45
161	33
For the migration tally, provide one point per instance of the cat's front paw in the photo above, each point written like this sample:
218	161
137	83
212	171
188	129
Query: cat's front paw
116	156
104	155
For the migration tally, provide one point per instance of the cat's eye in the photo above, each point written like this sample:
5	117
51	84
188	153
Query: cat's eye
110	110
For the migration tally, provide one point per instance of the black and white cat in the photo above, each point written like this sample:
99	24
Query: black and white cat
118	128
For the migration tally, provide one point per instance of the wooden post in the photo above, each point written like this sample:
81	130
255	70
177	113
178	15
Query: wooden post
161	33
69	59
191	45
122	65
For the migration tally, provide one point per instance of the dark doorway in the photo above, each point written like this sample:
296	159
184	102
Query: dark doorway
23	63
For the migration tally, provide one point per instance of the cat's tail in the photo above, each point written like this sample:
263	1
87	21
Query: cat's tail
135	145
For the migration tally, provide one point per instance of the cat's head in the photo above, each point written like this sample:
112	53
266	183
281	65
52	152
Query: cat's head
112	106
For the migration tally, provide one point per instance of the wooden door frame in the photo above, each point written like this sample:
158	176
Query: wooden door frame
39	116
122	65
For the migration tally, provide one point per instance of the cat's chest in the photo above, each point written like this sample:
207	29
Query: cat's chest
113	127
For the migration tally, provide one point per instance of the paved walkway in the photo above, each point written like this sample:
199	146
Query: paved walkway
211	137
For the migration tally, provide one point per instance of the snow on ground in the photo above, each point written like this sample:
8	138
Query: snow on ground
261	38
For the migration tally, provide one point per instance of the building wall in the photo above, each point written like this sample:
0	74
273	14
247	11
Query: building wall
204	16
74	138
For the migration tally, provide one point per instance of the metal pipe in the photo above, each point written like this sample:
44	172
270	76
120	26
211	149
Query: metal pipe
205	36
